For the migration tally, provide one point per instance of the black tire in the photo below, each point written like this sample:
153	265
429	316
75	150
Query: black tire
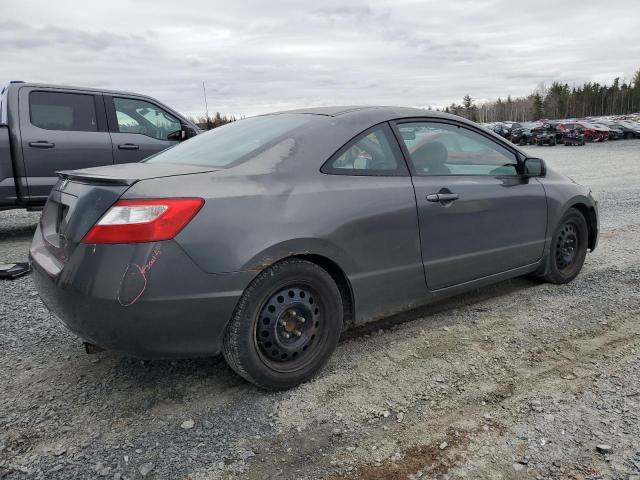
568	248
628	135
286	325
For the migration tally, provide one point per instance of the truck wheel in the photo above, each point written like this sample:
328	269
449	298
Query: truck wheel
568	248
286	325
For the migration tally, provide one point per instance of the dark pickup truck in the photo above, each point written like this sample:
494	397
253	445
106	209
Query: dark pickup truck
46	128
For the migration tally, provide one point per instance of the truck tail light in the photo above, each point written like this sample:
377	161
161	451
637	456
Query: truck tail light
144	220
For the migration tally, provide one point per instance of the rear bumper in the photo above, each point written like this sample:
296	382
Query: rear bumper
145	300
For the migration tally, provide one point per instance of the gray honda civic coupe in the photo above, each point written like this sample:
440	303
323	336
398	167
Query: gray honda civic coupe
266	238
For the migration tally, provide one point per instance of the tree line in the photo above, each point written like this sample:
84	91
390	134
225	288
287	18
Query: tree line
206	122
557	101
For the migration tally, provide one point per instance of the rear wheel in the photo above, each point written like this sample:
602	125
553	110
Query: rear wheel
568	248
286	325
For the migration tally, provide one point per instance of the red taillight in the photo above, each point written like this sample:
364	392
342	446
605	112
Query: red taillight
145	220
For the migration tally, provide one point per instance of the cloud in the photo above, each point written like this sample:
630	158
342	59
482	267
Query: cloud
260	56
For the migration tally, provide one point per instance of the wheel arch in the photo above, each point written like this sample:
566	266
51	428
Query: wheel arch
589	214
341	279
324	254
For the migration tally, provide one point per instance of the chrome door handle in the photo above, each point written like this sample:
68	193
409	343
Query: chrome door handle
128	146
42	144
442	197
448	197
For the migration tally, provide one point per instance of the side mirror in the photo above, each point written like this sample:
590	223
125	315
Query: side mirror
534	167
183	134
177	135
188	132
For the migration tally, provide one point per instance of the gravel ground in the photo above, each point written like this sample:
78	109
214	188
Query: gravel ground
518	380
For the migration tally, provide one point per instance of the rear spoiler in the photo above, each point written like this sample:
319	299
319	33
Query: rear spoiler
93	178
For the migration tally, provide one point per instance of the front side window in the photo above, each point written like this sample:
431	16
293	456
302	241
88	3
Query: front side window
233	142
369	154
63	111
138	116
446	149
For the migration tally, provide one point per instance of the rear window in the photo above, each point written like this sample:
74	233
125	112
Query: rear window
233	142
63	111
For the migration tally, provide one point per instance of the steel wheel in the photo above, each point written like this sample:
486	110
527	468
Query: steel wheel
285	326
567	245
568	248
289	324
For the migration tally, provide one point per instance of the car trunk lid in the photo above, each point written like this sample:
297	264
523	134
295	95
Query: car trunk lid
81	197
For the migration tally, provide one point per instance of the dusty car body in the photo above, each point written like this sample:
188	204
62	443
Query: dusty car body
389	236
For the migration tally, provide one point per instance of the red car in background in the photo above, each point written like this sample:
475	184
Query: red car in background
591	133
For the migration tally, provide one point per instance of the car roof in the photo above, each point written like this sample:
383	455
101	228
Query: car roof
380	111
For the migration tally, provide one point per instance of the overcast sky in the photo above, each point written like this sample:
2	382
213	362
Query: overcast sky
264	55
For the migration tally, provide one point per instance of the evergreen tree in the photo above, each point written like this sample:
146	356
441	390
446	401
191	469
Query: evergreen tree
538	107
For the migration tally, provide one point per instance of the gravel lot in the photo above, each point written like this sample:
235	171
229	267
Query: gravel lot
518	380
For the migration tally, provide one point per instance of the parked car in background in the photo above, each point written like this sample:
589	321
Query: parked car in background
590	132
544	137
504	128
612	132
572	137
262	238
629	129
548	133
46	128
522	134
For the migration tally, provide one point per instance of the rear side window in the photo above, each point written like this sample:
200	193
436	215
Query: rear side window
234	142
373	152
63	111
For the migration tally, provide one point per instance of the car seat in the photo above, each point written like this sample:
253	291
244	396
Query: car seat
431	158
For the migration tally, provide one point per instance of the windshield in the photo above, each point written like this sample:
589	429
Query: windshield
232	142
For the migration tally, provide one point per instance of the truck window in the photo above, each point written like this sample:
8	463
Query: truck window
138	116
63	111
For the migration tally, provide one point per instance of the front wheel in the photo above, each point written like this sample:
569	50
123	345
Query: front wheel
568	248
285	326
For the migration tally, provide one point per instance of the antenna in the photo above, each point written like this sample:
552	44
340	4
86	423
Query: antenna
206	106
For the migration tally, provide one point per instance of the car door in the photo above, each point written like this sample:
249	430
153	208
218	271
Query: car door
139	128
478	216
60	130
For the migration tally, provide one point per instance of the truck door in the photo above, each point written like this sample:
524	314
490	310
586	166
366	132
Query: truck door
60	130
139	128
